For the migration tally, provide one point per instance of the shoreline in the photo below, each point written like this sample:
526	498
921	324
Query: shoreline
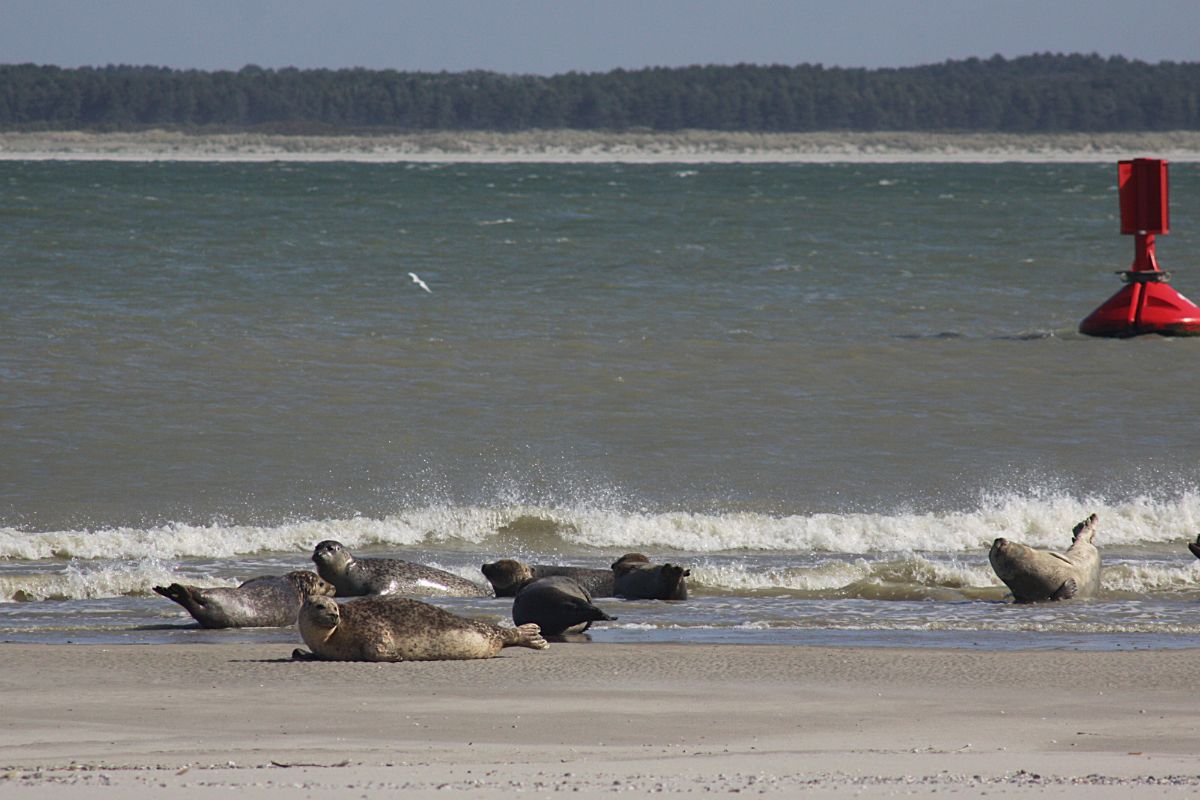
597	719
586	147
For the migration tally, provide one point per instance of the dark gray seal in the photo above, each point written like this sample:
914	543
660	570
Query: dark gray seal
1039	575
353	577
635	578
558	605
508	575
263	602
383	628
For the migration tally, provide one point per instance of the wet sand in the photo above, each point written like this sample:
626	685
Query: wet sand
567	146
595	720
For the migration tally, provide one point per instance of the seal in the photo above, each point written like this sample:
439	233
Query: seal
353	577
508	575
635	578
389	628
267	601
557	604
1039	575
1195	547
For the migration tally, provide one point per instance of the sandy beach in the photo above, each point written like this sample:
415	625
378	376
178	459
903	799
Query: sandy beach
565	146
597	720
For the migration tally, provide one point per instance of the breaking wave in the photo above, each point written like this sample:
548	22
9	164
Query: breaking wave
1041	522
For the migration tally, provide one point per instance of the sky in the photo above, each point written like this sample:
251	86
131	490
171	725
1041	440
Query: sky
549	37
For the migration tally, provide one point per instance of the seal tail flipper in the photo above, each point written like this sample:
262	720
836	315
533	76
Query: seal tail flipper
598	615
527	635
586	612
1087	529
1066	591
1195	547
180	594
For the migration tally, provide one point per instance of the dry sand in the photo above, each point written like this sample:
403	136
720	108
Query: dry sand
567	146
598	720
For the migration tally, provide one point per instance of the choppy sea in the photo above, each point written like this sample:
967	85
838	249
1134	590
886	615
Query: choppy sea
823	388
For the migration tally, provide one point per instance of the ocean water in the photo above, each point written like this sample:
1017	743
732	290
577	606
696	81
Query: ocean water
823	388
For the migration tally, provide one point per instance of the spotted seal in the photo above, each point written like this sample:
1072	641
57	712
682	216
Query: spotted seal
557	604
390	628
635	578
265	601
1038	575
353	577
508	575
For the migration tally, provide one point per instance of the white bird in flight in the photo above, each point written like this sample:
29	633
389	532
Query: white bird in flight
419	282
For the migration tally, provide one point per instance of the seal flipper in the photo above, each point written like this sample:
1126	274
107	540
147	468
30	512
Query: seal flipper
1195	547
1087	527
300	654
590	613
527	635
1066	591
180	594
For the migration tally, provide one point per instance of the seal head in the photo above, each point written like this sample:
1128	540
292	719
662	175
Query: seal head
507	576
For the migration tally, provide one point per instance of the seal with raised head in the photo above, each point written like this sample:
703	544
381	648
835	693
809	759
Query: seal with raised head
262	602
508	575
558	605
635	578
389	628
354	577
1039	575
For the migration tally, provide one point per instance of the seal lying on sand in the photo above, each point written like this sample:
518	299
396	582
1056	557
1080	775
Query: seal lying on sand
266	601
508	575
635	578
401	629
1036	575
557	604
353	577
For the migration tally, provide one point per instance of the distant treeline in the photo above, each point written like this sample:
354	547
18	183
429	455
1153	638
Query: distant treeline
1032	93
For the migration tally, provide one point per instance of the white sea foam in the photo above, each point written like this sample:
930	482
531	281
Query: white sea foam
87	581
1152	577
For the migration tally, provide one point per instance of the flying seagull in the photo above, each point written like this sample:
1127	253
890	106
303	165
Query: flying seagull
419	282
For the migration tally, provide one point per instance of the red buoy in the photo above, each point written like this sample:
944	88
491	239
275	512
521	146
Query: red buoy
1146	304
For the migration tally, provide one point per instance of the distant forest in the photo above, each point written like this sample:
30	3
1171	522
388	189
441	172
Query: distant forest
1040	93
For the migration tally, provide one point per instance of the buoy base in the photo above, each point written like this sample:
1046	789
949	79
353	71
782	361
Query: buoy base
1144	306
